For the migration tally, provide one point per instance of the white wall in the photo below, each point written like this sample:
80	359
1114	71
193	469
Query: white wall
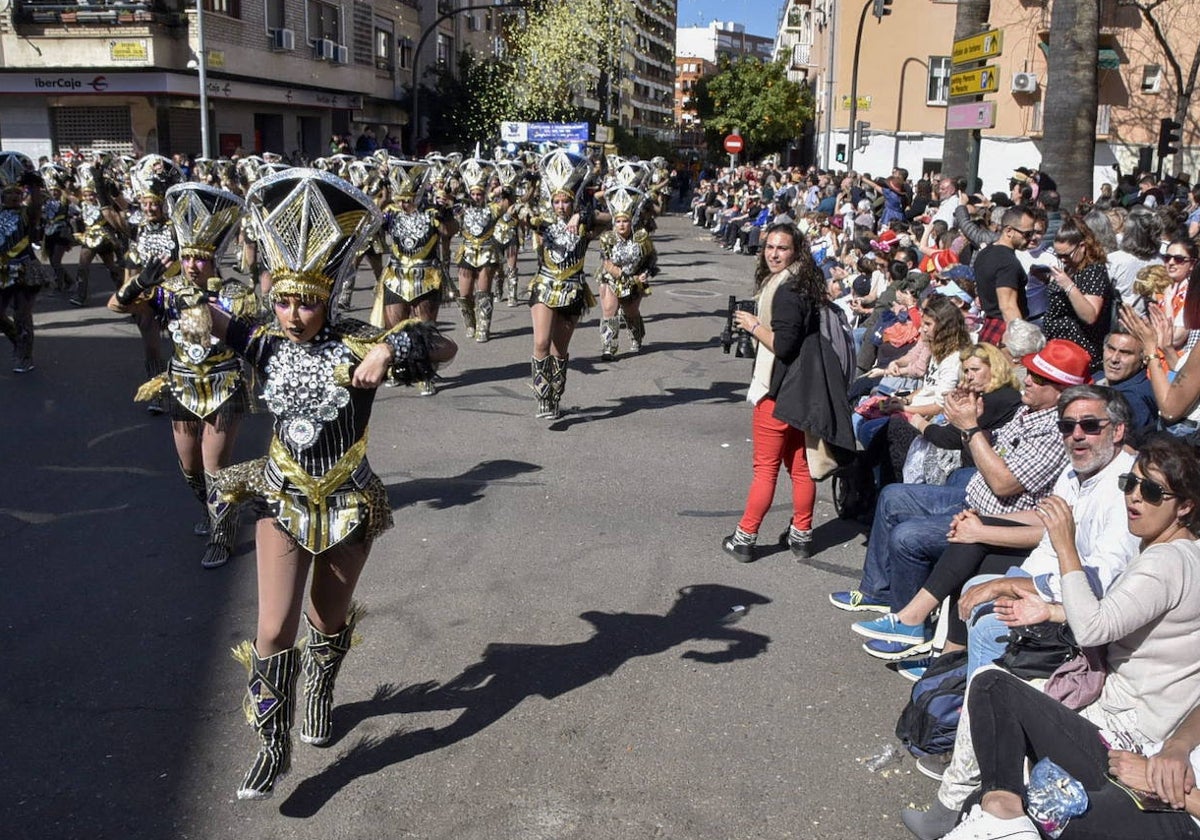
25	126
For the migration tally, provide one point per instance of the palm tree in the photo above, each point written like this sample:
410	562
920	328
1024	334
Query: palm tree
971	18
1069	107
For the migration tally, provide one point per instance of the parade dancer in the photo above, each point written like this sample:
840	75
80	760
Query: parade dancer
321	504
508	240
559	291
152	239
204	381
20	275
58	214
103	233
412	281
478	253
369	176
628	261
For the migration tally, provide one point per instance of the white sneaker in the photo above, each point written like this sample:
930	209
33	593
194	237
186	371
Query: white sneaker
737	247
980	825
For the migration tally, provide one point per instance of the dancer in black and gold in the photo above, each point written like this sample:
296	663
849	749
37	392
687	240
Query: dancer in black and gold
104	230
152	238
478	255
20	274
628	261
559	291
411	286
321	505
204	381
58	215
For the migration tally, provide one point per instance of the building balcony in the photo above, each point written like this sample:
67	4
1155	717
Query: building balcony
43	13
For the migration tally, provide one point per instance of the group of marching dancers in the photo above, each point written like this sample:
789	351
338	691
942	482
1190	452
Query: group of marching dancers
302	233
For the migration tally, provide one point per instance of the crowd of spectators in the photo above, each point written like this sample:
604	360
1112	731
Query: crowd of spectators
1027	411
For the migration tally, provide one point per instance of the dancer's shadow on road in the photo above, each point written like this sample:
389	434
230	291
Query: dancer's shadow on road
454	491
508	673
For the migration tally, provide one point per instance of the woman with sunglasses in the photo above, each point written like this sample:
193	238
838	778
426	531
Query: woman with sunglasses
1079	296
1178	396
1149	619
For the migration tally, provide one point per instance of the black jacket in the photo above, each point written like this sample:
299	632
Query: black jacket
807	381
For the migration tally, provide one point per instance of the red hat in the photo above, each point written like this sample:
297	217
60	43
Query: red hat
1062	362
938	260
886	242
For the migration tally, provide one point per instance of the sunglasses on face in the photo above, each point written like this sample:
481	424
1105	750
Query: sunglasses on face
1035	379
1090	425
1177	258
1152	492
1025	233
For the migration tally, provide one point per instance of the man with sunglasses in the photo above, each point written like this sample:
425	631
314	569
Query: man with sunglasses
1015	467
999	276
1093	421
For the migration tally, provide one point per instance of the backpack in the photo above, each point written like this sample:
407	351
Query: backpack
930	720
835	328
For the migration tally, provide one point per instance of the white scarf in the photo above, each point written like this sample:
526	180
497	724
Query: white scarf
764	359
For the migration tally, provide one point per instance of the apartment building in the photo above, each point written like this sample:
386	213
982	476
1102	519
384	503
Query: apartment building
651	83
904	83
282	75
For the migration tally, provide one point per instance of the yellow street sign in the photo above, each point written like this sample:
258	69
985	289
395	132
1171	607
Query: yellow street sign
978	47
975	82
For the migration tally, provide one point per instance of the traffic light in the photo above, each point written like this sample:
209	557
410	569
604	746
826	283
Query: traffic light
840	154
881	8
1169	133
862	135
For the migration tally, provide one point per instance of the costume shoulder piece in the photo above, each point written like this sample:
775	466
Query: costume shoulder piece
640	236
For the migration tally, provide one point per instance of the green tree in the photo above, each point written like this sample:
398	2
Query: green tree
756	98
561	53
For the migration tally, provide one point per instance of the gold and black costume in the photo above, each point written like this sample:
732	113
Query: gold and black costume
413	268
20	273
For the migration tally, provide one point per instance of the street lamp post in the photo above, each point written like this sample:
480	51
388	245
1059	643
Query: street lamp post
415	117
201	62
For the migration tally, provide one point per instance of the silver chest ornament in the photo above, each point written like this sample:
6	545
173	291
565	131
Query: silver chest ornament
561	244
195	352
154	240
410	230
625	253
476	220
300	389
90	213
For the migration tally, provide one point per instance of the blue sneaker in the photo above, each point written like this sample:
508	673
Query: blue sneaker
891	651
889	628
913	669
855	601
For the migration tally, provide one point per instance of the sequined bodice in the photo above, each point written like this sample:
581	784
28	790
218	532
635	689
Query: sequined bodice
154	239
411	231
478	221
560	247
626	253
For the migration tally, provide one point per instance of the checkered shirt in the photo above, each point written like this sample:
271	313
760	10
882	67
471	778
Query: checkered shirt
1033	450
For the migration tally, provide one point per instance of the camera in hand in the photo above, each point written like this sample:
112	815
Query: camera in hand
733	335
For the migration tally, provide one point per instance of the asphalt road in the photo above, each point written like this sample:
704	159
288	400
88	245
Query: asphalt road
548	653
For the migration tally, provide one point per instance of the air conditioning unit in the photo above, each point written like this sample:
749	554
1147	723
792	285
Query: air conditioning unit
325	48
1024	82
283	39
341	55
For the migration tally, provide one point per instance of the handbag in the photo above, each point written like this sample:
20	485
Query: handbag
1036	651
1079	681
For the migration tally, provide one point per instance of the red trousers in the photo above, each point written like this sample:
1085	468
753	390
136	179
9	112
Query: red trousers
775	443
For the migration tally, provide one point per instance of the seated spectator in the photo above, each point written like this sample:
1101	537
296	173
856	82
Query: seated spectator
1148	619
1139	249
1125	371
987	372
1015	467
983	545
